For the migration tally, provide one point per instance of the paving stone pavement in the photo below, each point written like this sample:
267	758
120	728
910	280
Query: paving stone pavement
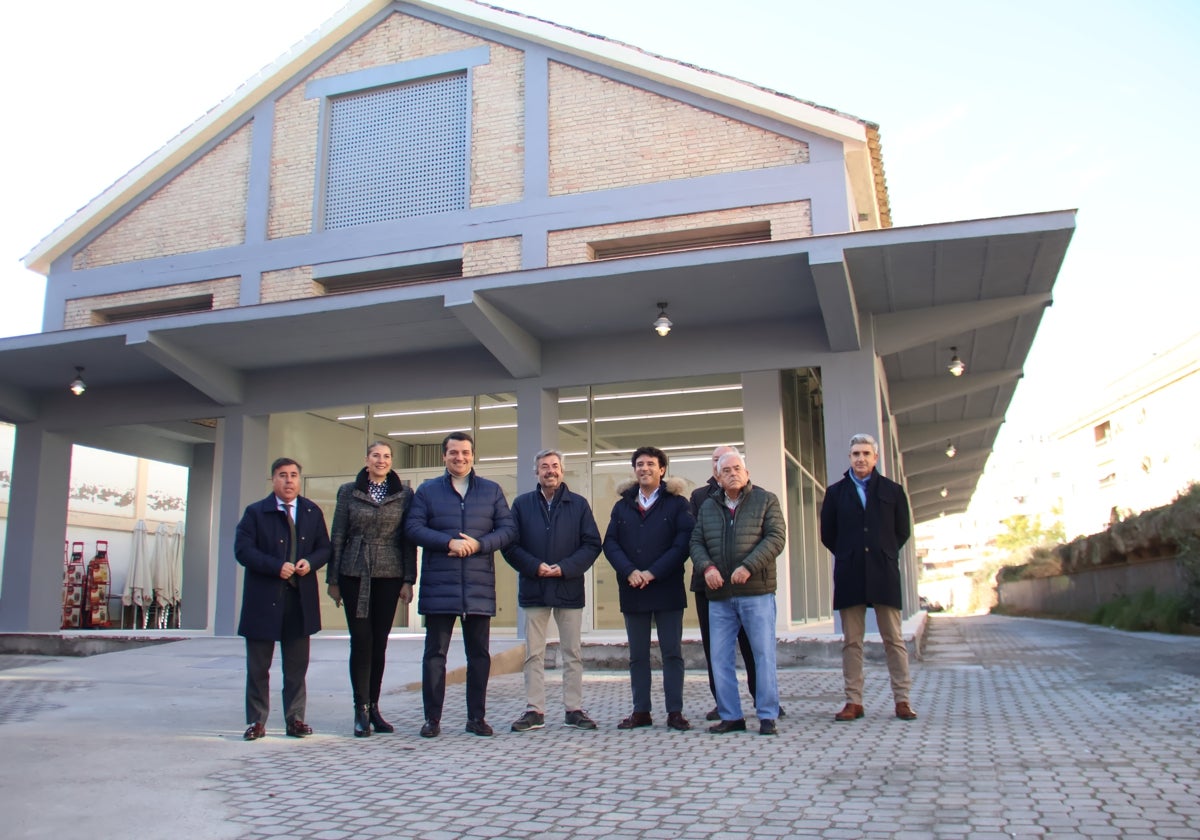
1027	728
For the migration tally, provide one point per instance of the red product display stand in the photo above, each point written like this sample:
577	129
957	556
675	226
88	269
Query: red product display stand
98	583
75	575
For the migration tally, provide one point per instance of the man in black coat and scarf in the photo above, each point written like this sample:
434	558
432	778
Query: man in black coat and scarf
865	521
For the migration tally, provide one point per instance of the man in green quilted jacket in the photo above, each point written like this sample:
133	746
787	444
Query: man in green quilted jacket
739	534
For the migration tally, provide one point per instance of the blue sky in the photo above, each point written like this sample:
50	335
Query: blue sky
985	109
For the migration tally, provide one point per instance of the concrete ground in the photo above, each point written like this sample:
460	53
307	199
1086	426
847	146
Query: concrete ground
1027	728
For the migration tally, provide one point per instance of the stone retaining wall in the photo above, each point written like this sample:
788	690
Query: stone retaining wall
1083	592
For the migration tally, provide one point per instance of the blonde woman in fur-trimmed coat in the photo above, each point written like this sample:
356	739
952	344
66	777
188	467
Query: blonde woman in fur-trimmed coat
647	545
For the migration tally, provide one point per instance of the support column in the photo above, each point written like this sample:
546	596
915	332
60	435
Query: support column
199	559
32	591
852	404
537	429
762	424
242	476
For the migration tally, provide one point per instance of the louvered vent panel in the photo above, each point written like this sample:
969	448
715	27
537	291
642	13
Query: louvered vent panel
397	152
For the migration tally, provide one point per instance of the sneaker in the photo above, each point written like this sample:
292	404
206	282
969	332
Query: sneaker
529	720
578	719
479	727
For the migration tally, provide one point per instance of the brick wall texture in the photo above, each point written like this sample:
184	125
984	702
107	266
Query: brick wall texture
288	284
605	134
88	311
792	220
492	256
202	208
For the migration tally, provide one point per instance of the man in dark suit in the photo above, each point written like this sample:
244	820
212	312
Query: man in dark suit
865	522
281	541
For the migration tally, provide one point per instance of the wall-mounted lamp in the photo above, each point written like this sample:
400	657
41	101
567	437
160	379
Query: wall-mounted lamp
78	386
662	324
956	366
943	492
951	449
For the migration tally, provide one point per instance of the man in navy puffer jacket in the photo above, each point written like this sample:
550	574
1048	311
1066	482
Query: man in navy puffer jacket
459	520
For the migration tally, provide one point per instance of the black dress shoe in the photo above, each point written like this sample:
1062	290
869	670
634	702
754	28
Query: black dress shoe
377	721
724	726
431	729
362	722
298	728
479	727
766	726
254	732
713	714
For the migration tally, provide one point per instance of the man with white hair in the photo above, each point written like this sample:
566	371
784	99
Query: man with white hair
737	538
865	522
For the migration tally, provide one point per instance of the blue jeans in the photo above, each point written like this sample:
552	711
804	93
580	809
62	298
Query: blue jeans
756	615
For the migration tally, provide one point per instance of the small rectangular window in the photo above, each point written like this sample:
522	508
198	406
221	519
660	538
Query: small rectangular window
1103	433
155	309
681	240
408	275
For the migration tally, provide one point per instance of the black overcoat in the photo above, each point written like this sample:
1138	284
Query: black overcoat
261	545
866	542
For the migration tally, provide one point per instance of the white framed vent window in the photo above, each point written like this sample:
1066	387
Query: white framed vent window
398	151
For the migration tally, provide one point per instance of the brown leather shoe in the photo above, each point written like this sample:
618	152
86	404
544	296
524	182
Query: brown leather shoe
851	711
254	732
905	712
298	728
676	721
636	720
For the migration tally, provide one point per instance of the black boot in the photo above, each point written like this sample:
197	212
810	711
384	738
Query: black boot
362	721
377	720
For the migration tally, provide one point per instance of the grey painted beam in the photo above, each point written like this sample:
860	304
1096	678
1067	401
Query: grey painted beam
918	393
831	279
16	405
897	331
222	384
943	478
916	435
917	463
924	514
513	347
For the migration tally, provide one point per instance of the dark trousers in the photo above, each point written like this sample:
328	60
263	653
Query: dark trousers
669	625
476	630
743	644
369	635
294	658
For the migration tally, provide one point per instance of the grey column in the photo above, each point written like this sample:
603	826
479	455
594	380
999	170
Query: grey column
32	590
762	424
851	404
537	429
199	559
242	474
